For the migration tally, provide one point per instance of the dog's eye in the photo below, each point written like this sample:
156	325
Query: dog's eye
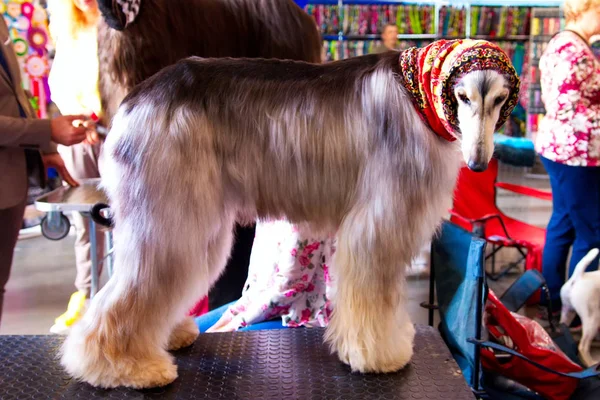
499	100
463	97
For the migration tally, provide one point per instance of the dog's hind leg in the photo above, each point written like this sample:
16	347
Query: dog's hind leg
184	334
590	322
567	315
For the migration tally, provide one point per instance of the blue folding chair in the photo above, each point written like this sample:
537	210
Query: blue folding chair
458	273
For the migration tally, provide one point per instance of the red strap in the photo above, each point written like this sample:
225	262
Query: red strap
525	190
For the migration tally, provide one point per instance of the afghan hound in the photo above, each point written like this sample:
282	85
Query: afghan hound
345	147
137	38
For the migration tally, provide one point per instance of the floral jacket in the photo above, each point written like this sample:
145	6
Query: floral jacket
288	277
569	133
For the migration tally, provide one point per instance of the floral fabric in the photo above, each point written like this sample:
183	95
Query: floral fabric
288	277
569	133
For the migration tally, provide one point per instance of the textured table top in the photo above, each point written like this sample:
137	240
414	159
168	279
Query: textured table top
276	364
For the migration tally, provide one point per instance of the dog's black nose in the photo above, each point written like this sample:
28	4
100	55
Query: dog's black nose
477	166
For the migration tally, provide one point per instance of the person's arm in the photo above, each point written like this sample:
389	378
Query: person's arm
25	133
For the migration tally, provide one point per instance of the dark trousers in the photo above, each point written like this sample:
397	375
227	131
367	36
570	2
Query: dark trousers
575	221
230	284
11	220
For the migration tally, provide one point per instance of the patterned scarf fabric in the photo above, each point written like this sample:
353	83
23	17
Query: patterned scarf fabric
430	73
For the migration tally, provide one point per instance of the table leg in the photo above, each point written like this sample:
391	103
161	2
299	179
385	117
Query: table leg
94	254
110	256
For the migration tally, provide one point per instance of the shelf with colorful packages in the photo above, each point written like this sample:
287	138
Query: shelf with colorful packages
353	28
545	22
27	23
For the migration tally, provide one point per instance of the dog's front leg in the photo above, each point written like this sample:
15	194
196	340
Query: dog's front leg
370	328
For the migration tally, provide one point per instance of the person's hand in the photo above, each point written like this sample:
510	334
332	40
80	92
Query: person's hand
92	136
227	323
54	160
64	131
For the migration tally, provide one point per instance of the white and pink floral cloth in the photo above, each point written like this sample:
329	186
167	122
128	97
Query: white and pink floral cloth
288	277
569	133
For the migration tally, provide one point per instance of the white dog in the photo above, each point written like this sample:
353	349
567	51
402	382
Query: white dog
581	295
365	148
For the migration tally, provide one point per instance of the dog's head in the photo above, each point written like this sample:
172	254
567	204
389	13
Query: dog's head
480	99
475	89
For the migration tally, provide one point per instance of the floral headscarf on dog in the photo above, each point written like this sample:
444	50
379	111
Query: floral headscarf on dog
430	73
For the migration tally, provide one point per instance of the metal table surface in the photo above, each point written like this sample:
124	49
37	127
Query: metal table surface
69	199
80	199
269	364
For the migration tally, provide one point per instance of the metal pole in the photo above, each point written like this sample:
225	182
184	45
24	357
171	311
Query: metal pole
479	321
109	253
94	254
431	288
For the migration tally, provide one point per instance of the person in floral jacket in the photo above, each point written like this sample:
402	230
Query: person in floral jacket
568	141
287	286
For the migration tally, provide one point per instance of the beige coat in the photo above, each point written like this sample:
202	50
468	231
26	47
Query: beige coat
21	139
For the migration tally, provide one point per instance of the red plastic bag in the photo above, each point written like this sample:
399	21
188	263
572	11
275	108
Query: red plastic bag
528	338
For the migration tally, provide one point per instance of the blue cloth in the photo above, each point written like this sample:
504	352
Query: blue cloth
575	221
457	260
515	151
515	142
210	318
5	66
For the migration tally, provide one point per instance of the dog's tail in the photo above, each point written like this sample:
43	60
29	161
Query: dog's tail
584	263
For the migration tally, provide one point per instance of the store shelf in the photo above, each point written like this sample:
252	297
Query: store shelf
302	3
541	38
514	3
516	38
378	37
389	2
479	19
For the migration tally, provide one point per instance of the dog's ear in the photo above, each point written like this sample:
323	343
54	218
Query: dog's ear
119	13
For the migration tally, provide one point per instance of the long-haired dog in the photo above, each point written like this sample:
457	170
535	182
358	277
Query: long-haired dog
580	295
137	38
347	147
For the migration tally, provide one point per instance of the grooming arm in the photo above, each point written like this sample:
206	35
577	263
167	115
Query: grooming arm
526	191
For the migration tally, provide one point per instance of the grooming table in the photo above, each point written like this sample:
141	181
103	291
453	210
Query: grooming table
269	364
55	225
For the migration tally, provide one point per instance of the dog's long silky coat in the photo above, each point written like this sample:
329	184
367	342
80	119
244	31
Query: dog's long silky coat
207	142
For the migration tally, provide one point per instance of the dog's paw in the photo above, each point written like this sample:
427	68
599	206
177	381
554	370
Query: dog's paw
365	356
183	335
105	365
133	373
149	374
